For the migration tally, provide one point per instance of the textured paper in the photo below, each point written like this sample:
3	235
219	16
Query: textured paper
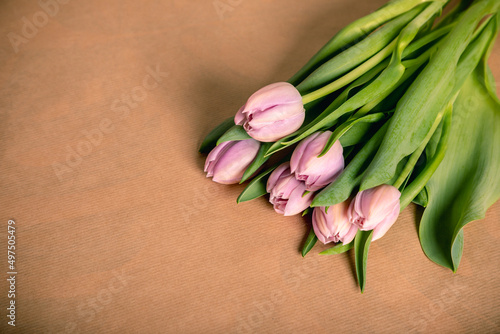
102	109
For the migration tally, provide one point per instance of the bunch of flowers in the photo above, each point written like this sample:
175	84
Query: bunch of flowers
395	108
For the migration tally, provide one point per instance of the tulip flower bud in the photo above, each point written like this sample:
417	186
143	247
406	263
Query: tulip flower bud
286	192
333	225
375	209
272	112
317	172
228	161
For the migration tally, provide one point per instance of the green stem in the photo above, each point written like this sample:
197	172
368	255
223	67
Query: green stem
356	55
429	93
454	13
418	152
353	33
351	76
411	66
411	30
374	61
415	187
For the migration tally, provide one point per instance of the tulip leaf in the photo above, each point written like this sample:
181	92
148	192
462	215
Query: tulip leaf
359	132
389	100
353	33
357	54
369	91
346	126
418	183
256	187
467	181
210	140
435	152
421	198
361	246
277	146
310	242
431	91
259	160
386	81
236	132
433	144
338	249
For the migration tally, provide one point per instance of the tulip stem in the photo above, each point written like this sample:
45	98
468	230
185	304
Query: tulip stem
415	187
418	152
351	76
375	60
353	33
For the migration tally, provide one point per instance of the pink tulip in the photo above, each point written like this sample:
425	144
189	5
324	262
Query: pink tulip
272	112
333	225
375	209
317	172
227	162
286	192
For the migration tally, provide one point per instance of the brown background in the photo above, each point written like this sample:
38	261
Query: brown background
130	237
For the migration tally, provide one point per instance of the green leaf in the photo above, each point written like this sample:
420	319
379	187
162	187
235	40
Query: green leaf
430	93
256	187
361	246
210	140
433	144
337	249
421	198
236	132
433	161
346	126
259	160
364	75
310	242
360	132
478	50
402	177
358	54
353	33
389	100
467	181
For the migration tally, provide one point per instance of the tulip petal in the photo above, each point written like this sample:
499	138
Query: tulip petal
272	112
274	131
240	117
214	156
231	165
350	235
375	209
334	225
317	172
279	205
285	187
384	196
273	94
297	202
385	225
279	112
276	174
299	151
330	165
319	225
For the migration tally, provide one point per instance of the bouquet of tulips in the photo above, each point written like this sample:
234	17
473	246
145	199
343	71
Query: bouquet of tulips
398	107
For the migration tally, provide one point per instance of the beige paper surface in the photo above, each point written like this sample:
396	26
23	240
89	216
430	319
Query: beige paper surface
102	109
